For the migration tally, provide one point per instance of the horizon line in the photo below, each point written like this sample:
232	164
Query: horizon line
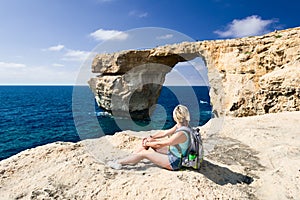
43	85
77	85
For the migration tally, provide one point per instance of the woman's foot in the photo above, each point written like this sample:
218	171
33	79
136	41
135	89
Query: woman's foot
114	164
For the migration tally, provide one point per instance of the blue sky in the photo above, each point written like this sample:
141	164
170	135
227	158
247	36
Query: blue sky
49	41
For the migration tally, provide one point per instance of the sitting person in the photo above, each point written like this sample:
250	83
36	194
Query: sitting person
162	147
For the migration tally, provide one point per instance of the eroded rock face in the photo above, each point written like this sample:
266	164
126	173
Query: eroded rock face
280	89
131	81
133	93
248	76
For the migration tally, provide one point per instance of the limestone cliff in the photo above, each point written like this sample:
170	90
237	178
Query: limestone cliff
248	76
250	156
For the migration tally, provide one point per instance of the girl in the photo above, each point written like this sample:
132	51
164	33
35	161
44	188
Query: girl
164	145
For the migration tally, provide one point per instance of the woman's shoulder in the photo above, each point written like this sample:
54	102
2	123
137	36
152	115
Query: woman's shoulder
184	128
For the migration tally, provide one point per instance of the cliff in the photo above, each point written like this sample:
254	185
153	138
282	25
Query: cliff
252	158
248	76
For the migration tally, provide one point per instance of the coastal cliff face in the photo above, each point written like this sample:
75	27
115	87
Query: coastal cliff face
247	76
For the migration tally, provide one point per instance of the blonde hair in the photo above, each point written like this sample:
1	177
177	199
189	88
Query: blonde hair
181	114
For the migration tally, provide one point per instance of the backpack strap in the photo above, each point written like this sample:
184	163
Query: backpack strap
178	149
187	130
184	128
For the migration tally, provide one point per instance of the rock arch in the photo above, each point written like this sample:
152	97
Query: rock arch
248	76
131	81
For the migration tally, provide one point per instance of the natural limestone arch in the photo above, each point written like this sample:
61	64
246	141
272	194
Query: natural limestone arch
247	76
131	81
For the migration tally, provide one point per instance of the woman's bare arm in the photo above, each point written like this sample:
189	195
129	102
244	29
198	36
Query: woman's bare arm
164	133
173	140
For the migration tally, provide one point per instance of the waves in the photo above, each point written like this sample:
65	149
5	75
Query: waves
102	114
203	102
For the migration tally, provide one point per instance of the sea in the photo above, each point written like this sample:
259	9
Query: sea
31	116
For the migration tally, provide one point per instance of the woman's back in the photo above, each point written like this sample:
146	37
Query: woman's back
181	148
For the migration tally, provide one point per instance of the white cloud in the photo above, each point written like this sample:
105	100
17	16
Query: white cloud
57	65
165	37
77	55
145	14
138	14
38	75
55	48
69	54
11	65
102	34
249	26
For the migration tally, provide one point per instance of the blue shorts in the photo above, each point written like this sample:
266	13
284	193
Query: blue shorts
175	162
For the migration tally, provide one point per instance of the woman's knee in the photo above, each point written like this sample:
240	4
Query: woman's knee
146	153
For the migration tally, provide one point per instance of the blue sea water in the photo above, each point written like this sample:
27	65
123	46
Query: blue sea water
36	115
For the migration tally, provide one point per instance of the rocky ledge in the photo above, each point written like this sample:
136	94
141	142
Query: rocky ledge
247	76
254	157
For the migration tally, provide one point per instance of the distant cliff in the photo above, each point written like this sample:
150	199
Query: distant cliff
248	76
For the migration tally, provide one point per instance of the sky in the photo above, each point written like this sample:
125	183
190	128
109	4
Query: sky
46	42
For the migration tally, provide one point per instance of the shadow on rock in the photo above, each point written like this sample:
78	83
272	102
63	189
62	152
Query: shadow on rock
222	175
217	174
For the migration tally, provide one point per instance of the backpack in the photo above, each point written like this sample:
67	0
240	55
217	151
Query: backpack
195	151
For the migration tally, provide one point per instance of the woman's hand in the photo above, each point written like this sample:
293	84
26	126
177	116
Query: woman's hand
144	141
150	139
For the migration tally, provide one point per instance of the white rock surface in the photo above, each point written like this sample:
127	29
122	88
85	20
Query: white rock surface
254	157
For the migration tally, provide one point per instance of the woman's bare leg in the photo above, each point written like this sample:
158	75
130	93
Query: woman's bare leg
155	157
139	149
163	150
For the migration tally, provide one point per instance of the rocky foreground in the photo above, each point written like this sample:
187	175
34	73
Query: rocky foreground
250	158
